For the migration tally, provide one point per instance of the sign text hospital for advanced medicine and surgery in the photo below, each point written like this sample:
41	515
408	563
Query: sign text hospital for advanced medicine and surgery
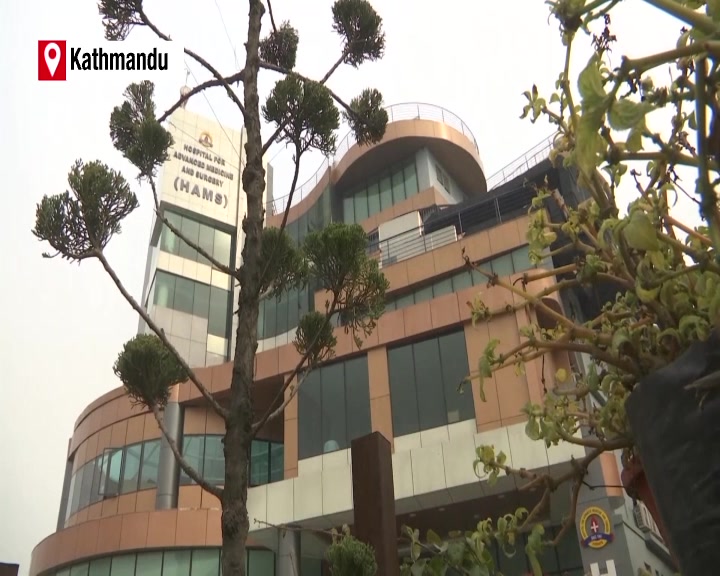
206	167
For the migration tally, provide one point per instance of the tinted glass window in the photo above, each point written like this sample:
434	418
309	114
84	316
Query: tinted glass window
149	564
88	473
349	210
424	380
259	462
112	484
219	304
131	470
150	461
206	241
214	465
123	565
373	198
310	439
201	300
193	452
357	398
521	259
100	567
361	205
222	247
411	182
398	187
277	462
164	289
502	265
261	563
205	563
403	399
190	231
333	408
454	361
79	569
184	292
97	478
386	196
428	383
176	563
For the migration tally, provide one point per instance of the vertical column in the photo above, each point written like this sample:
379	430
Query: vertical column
291	434
288	558
168	468
379	383
65	492
374	500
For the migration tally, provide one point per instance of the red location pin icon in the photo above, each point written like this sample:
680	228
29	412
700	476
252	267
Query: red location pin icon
52	57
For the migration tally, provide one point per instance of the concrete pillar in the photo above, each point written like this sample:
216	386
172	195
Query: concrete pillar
288	557
168	467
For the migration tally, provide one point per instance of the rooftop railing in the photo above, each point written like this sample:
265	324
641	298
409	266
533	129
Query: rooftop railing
528	160
396	113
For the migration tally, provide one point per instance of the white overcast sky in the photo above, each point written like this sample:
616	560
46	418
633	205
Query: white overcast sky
63	325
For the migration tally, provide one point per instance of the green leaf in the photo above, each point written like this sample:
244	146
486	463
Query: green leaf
418	568
590	144
634	139
619	339
625	114
640	233
433	538
532	429
455	553
590	83
561	375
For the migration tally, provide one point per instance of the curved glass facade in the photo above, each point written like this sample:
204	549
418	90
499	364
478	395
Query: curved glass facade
187	562
117	471
135	467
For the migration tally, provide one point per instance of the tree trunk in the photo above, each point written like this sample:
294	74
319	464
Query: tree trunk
238	433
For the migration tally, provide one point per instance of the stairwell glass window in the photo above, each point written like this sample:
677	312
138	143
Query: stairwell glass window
424	380
333	407
217	243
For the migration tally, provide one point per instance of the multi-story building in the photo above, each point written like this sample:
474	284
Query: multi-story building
423	197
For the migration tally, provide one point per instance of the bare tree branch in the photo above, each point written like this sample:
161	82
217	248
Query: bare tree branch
189	470
272	17
232	79
199	59
160	334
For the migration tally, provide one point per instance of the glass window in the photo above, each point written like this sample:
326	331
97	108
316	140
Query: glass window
205	563
77	489
386	197
206	241
292	229
521	259
293	313
454	362
261	320
310	436
270	317
123	565
428	383
311	567
405	300
97	478
502	265
131	470
282	314
191	232
80	569
112	482
184	293
261	563
149	564
150	461
302	227
71	497
568	551
348	210
201	300
398	187
65	572
277	462
403	399
478	278
214	462
193	451
411	182
334	425
462	280
88	473
168	241
361	205
176	563
423	294
357	398
442	287
259	462
164	289
222	247
100	567
374	198
218	317
517	564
